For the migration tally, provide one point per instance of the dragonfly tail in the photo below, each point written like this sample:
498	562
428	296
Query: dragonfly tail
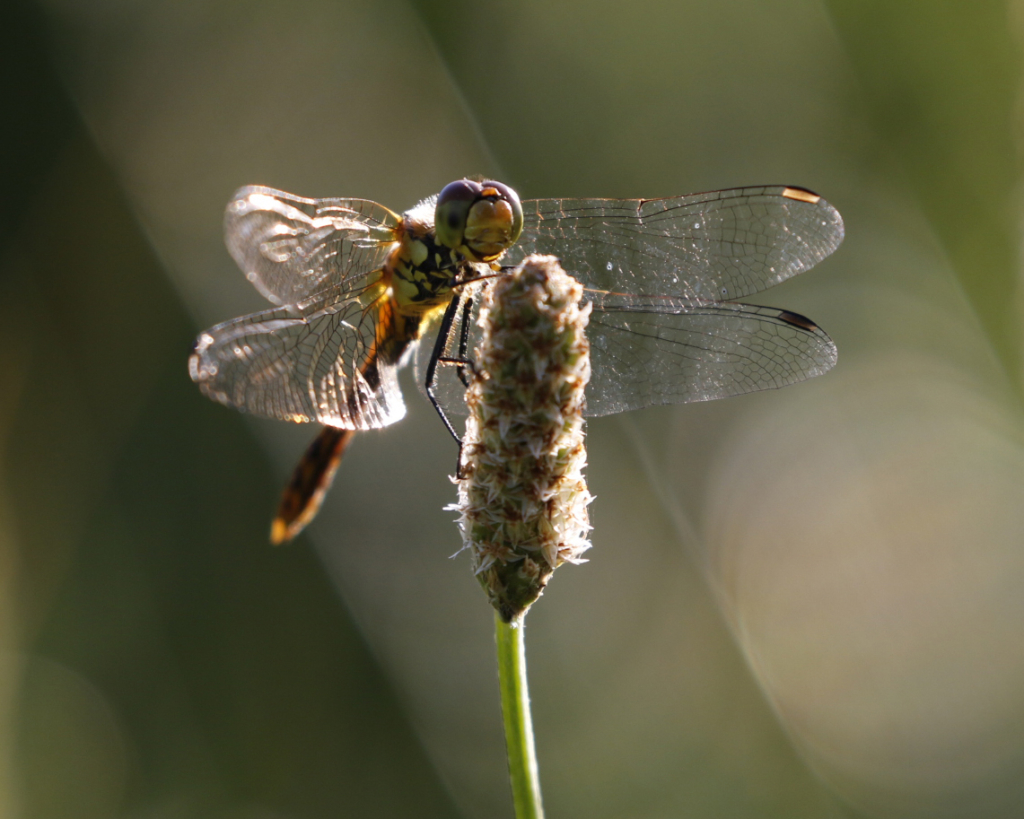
313	476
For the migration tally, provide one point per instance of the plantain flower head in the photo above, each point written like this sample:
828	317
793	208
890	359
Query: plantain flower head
522	496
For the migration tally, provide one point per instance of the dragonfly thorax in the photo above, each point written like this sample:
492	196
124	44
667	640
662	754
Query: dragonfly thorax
421	270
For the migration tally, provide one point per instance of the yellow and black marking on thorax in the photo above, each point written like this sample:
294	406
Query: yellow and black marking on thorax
421	270
418	276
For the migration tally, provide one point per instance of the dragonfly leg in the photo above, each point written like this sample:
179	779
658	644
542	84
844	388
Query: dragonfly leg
462	359
463	364
436	357
467	308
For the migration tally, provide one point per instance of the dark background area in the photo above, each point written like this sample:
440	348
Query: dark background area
804	603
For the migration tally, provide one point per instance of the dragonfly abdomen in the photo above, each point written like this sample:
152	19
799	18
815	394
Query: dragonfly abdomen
310	481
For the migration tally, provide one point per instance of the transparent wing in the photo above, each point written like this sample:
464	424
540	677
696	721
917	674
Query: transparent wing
704	247
322	367
305	250
648	350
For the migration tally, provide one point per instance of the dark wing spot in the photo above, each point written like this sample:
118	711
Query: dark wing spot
797	320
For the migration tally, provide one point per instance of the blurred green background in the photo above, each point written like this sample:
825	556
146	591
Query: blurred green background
804	603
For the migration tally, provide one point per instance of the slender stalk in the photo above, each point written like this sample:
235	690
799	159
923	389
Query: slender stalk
515	708
522	497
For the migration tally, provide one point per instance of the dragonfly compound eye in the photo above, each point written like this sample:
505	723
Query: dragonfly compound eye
452	211
512	198
493	224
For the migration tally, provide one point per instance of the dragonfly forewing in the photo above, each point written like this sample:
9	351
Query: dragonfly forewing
296	250
704	247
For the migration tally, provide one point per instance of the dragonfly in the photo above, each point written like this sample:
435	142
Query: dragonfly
356	288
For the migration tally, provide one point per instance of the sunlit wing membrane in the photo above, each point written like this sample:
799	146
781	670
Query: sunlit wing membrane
702	247
319	367
305	250
645	352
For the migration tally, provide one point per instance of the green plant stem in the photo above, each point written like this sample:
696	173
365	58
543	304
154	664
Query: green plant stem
515	708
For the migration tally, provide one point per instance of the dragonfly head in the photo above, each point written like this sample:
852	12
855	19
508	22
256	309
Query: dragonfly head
481	220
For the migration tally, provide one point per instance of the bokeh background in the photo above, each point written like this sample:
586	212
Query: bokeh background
804	603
